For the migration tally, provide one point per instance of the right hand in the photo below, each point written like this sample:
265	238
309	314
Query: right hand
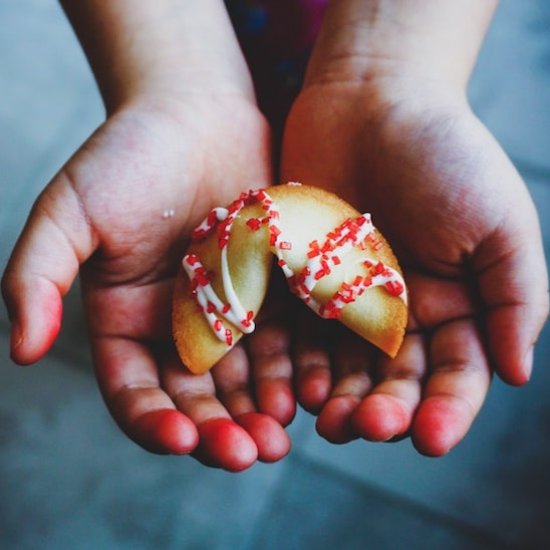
120	212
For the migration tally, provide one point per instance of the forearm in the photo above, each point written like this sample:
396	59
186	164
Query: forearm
430	39
165	46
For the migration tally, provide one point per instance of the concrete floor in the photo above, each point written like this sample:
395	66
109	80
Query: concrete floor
69	479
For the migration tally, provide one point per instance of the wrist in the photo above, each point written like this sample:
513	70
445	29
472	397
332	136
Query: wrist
400	42
167	48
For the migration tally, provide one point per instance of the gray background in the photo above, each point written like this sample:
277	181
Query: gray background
69	479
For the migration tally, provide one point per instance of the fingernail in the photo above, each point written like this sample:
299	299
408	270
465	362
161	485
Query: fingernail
528	363
16	338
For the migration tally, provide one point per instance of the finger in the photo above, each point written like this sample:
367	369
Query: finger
352	360
434	301
269	353
514	285
128	377
232	380
56	239
271	439
222	442
455	390
387	411
311	359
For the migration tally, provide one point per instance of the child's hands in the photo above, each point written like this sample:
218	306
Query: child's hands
185	135
465	230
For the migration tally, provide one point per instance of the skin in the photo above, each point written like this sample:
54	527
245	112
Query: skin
166	145
449	200
175	130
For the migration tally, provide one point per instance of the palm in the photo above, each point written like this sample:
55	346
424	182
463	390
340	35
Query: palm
442	191
123	207
144	180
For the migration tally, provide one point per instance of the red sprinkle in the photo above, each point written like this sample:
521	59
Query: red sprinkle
210	307
348	298
327	247
234	207
226	308
331	310
285	245
198	234
217	325
254	223
344	240
228	336
320	274
395	288
212	218
202	280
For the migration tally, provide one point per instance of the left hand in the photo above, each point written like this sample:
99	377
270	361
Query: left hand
463	225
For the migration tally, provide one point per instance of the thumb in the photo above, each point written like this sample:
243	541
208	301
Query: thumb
56	239
514	287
